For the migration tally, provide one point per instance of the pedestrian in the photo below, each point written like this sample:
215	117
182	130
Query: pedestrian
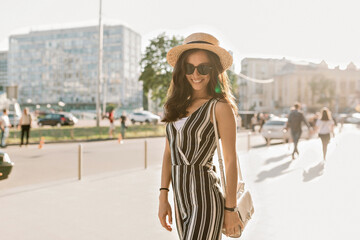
325	126
261	121
112	125
199	84
295	119
253	122
123	119
25	124
5	125
313	119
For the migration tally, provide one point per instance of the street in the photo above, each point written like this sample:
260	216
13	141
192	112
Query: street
59	162
294	199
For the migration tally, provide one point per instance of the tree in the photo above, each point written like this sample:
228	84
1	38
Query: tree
322	91
234	84
156	73
327	95
314	86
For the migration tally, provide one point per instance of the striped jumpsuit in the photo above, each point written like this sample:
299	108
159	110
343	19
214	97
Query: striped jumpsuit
199	203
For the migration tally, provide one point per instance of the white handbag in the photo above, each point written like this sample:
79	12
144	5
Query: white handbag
245	207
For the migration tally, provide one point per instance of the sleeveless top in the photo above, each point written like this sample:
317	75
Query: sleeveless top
324	126
199	203
26	119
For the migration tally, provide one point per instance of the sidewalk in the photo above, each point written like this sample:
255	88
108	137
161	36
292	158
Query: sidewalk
293	199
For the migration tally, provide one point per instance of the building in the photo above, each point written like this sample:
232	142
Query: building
62	65
258	96
314	85
3	70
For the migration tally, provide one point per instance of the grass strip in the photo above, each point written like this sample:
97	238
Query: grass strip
66	133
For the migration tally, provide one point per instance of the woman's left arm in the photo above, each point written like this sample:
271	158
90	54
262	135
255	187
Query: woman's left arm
227	130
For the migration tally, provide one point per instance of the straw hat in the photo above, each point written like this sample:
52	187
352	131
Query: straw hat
200	41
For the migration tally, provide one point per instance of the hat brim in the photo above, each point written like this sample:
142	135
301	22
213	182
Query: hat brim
226	59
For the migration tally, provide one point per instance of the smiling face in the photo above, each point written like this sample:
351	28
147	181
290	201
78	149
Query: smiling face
197	81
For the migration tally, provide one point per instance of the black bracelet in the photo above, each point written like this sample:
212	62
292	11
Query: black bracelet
233	209
164	189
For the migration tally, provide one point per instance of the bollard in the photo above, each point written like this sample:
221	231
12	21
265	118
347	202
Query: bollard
79	161
249	145
284	135
268	139
41	143
145	156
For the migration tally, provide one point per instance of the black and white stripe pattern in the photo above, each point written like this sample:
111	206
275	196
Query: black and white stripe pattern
199	203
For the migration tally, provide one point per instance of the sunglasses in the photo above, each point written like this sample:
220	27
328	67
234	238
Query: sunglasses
203	69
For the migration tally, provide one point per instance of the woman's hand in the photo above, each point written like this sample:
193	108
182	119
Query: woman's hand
231	223
165	210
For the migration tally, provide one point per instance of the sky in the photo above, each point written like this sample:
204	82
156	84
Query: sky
300	30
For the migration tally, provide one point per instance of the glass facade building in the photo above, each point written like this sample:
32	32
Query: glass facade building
62	65
3	69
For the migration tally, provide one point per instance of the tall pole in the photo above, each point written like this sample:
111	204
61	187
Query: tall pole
99	69
106	79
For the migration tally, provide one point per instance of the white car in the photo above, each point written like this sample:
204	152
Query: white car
354	118
144	116
275	129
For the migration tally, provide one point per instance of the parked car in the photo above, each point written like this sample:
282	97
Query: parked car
14	119
144	116
6	165
353	118
57	119
274	129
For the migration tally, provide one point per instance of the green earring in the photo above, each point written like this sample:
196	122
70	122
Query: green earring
218	87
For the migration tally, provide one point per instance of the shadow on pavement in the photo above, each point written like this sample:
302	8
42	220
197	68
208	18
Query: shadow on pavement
277	158
265	145
313	172
35	187
274	172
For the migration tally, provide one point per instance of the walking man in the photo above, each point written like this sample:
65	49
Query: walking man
296	117
5	125
123	123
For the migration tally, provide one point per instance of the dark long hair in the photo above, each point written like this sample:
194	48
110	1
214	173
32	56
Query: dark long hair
325	114
179	96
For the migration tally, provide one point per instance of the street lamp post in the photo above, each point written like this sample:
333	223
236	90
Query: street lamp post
105	84
99	69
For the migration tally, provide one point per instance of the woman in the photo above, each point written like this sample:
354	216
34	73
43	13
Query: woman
112	125
325	126
199	83
25	123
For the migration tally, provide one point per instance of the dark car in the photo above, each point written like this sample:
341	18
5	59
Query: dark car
57	119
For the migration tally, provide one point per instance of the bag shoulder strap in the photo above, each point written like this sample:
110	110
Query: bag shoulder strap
221	164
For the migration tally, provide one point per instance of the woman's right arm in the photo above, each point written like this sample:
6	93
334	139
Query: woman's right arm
20	123
164	206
